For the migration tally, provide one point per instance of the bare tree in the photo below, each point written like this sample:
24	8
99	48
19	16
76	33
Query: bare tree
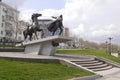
9	30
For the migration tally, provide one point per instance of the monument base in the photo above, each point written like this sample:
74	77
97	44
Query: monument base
44	46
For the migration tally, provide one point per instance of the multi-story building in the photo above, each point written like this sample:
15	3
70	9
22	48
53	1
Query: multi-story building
8	21
65	32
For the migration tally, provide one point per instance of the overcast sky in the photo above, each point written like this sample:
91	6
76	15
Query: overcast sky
93	20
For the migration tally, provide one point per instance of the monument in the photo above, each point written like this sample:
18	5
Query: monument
48	42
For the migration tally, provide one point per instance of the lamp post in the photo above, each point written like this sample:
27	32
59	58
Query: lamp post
106	42
110	38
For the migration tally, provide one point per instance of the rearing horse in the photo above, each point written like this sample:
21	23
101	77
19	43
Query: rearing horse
55	25
34	28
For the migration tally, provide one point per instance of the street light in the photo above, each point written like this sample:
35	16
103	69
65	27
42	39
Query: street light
110	38
106	42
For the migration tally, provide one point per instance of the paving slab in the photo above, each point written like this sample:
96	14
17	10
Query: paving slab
108	72
114	74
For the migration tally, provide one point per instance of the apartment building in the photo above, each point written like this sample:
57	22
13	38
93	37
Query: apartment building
8	21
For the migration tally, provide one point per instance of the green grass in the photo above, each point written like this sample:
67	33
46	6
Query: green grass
10	47
12	70
98	53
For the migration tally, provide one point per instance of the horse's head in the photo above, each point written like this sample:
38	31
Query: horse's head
59	21
60	18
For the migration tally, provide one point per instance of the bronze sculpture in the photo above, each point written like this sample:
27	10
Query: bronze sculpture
56	24
32	29
52	27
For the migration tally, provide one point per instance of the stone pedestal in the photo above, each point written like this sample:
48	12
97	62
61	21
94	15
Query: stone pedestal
44	46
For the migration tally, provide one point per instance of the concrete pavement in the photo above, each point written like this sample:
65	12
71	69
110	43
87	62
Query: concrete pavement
115	75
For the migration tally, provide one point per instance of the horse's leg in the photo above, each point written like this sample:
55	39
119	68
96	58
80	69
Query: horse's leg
42	32
42	35
36	35
30	38
25	36
61	30
53	33
33	37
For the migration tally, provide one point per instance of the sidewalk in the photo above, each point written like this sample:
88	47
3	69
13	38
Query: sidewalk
112	76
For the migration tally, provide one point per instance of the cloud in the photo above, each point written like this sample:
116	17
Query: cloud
25	14
52	12
77	31
108	30
90	19
14	3
100	17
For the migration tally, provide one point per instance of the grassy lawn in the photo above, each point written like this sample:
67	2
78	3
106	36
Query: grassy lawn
11	47
98	53
12	70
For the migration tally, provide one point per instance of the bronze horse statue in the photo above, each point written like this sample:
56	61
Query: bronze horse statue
29	32
32	29
52	27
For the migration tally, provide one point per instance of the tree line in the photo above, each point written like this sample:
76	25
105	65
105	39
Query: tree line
85	44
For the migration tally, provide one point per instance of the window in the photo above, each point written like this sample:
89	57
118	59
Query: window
2	24
2	32
3	18
5	10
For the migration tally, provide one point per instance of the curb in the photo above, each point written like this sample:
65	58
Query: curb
88	77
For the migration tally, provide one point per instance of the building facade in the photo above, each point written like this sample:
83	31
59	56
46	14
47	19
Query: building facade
65	32
8	21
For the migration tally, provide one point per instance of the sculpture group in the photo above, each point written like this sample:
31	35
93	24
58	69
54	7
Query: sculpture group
34	28
46	45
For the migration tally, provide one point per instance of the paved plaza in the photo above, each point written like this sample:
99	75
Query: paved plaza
114	75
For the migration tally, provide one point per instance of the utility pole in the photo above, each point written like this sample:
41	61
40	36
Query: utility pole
106	42
110	47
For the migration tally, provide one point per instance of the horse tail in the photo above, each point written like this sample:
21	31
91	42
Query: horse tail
25	34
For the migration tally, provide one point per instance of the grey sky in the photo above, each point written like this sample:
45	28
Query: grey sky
94	20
